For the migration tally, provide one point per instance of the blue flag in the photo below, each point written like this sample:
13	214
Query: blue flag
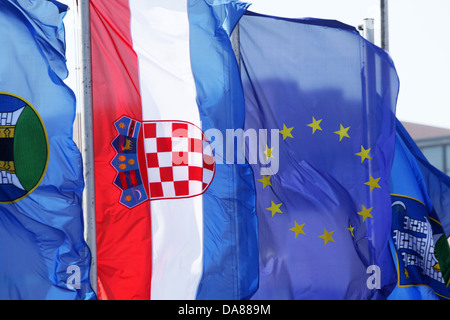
420	223
321	99
230	268
43	254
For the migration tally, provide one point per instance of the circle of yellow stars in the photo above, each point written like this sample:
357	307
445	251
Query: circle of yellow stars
364	154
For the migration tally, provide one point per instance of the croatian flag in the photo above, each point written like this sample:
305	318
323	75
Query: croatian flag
175	218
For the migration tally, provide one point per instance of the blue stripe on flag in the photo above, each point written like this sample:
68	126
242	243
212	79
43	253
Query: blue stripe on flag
230	228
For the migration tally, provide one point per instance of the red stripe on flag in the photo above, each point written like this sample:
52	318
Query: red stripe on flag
123	235
134	181
123	180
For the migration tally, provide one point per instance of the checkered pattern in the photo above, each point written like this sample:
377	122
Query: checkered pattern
180	161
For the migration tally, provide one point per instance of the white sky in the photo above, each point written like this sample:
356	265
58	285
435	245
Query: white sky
418	39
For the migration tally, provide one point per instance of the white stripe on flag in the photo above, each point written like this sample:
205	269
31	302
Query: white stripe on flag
160	33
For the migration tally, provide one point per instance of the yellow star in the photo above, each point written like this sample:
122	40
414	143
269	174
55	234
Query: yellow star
286	132
406	274
327	236
373	183
297	229
268	152
121	125
274	208
343	132
315	125
364	154
350	228
365	213
265	180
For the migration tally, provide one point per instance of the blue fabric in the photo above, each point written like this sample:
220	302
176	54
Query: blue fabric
296	73
43	254
434	185
420	194
230	225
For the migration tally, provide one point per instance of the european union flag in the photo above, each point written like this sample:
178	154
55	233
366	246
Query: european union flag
43	254
327	96
420	223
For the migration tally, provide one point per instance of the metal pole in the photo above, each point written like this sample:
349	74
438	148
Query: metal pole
369	32
87	139
369	89
384	24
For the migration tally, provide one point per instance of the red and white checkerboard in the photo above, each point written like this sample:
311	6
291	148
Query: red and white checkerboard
180	160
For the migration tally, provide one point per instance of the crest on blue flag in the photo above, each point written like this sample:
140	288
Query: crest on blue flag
43	252
23	148
419	220
416	234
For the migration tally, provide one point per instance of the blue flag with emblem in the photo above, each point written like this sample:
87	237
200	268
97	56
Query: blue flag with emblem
321	101
420	223
43	254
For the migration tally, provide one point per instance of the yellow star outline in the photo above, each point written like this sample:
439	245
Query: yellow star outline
373	183
350	228
315	125
365	213
297	229
286	132
268	153
327	236
275	208
364	154
342	132
265	180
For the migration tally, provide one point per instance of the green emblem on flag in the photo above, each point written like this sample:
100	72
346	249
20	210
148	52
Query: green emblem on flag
23	148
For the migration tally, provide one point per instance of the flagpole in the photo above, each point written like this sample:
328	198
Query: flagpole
369	35
87	139
384	24
369	32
